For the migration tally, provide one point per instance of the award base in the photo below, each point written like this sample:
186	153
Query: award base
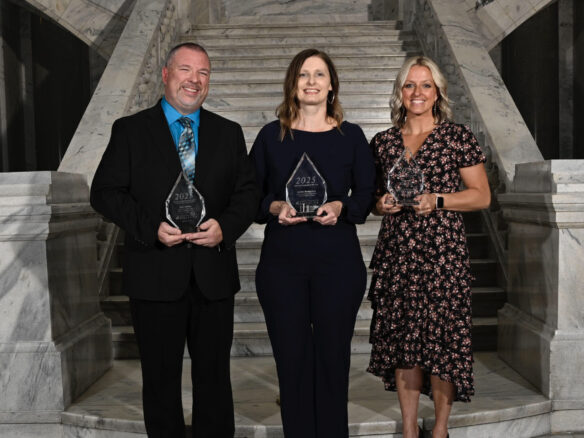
403	202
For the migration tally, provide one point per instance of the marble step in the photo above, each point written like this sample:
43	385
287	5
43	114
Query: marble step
369	129
346	29
245	117
261	74
486	302
266	33
484	271
382	60
258	89
368	229
333	50
249	249
270	101
251	338
505	404
308	39
304	18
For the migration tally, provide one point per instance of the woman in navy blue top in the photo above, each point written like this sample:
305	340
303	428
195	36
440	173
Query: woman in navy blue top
311	277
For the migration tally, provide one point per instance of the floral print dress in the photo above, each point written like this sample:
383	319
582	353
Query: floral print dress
421	286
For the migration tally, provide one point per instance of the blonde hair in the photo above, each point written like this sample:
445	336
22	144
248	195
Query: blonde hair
441	109
289	110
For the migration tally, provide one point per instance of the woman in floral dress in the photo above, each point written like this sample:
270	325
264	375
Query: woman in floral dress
421	285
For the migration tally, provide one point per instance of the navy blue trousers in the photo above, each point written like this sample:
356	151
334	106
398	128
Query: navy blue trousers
310	308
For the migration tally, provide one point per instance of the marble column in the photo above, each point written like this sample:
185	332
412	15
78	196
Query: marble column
541	328
54	339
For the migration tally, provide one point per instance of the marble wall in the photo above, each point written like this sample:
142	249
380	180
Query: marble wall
54	339
541	328
499	18
99	23
130	82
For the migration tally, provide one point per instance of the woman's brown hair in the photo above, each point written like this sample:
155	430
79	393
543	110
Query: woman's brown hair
289	110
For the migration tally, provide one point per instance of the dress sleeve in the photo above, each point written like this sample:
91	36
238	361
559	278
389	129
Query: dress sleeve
358	204
259	158
467	149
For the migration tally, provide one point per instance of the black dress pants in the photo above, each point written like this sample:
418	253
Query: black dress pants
310	311
161	331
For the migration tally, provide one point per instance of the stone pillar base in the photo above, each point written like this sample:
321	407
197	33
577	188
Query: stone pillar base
541	328
54	340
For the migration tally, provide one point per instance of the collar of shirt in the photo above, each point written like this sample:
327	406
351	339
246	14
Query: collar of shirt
172	116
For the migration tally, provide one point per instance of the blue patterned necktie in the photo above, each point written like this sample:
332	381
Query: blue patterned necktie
186	148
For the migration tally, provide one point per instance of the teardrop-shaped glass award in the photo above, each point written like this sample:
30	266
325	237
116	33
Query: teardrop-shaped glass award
406	179
185	207
306	188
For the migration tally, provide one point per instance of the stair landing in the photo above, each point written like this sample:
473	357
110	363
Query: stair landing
504	405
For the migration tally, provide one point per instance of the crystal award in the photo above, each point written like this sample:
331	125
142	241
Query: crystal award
306	188
406	179
185	207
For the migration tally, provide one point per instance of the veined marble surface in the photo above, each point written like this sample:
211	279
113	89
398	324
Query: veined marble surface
99	23
54	340
499	18
129	82
505	404
541	328
236	9
507	135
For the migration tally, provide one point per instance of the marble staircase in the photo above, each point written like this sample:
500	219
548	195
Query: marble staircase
248	64
246	86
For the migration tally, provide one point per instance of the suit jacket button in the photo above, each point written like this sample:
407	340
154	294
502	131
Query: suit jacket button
189	245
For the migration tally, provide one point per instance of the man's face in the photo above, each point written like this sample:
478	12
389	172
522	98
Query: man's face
186	80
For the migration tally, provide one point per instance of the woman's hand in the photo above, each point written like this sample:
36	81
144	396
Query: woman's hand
286	214
426	204
387	205
329	213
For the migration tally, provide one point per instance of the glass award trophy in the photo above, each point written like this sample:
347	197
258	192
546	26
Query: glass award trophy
306	188
185	207
406	179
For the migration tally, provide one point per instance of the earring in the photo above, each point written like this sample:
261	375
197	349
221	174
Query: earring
435	108
331	97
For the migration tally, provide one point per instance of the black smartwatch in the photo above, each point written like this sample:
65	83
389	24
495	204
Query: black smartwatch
439	202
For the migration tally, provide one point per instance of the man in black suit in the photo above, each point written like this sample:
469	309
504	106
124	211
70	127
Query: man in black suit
181	285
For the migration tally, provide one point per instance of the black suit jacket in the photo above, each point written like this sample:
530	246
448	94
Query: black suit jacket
137	171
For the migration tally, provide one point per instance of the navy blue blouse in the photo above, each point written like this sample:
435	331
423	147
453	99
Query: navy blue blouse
344	159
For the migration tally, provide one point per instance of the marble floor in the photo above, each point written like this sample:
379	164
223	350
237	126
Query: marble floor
504	405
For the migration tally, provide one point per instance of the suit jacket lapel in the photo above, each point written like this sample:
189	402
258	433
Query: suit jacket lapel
161	138
205	157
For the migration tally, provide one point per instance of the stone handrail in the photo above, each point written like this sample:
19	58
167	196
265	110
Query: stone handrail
480	97
130	82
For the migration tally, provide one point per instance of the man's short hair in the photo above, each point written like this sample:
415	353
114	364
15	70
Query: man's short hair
192	46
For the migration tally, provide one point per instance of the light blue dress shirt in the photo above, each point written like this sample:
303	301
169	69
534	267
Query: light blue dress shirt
172	116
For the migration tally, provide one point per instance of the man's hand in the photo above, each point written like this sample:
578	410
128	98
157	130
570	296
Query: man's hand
210	234
169	235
